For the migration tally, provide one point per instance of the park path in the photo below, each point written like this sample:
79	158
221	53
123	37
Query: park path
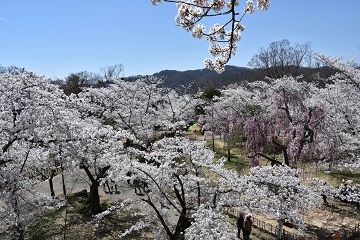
78	181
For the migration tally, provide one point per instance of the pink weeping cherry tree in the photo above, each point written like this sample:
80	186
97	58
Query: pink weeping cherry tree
289	119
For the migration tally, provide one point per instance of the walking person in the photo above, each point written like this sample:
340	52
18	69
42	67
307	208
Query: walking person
137	185
247	226
240	224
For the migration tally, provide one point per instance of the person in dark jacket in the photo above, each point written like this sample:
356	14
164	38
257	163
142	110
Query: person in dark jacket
240	224
247	226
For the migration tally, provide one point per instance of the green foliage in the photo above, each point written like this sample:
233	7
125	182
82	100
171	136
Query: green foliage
199	110
210	93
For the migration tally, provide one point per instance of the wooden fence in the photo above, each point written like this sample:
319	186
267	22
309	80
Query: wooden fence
273	229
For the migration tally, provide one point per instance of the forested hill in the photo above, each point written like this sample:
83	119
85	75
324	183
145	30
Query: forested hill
205	77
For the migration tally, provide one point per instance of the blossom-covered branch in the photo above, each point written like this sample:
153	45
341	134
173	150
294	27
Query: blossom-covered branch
223	37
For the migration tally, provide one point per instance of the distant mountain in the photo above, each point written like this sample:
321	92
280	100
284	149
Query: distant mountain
205	77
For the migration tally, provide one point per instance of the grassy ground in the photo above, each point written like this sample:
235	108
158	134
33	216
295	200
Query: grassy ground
238	157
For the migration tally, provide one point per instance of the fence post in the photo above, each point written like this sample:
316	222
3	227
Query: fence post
283	235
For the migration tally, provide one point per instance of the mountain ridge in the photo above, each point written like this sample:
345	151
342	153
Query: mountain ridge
205	77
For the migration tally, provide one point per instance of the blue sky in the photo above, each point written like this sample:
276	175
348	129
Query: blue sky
56	38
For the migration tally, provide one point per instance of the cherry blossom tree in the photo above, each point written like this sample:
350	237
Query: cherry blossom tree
188	190
340	98
97	151
279	193
223	37
42	130
32	117
276	115
224	115
124	105
209	224
290	119
178	108
141	107
346	192
137	111
185	184
351	163
302	121
299	119
306	123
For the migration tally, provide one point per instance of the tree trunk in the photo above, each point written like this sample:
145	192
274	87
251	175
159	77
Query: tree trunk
93	201
284	150
228	152
280	228
20	232
182	225
52	192
65	222
19	228
213	142
63	180
286	157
